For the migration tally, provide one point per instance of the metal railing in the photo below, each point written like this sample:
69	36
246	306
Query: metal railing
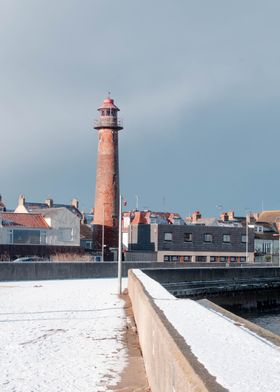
108	122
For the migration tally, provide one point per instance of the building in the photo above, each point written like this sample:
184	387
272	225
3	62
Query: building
48	227
28	207
164	237
106	209
266	225
147	217
86	236
23	229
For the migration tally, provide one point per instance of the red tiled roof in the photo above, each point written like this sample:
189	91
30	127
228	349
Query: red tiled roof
25	220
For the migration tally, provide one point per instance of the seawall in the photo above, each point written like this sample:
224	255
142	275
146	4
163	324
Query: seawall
198	346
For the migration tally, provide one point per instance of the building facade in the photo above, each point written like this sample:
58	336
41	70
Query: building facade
190	243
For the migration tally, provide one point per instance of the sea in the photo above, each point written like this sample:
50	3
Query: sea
269	319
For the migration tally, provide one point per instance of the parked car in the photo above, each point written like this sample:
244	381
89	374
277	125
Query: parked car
28	259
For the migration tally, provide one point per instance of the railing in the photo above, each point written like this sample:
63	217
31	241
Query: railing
108	122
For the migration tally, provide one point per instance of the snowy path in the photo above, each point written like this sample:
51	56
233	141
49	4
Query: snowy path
61	336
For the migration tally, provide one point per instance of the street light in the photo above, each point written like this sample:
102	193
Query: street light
247	234
247	239
120	247
278	235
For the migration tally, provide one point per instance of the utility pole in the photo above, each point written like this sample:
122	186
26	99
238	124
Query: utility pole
120	248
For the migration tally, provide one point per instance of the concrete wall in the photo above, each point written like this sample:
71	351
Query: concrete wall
169	362
81	270
205	274
68	270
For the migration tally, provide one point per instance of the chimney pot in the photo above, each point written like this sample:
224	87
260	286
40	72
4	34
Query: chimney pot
21	200
75	203
49	202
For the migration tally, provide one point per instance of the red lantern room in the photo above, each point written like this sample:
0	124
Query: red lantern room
108	116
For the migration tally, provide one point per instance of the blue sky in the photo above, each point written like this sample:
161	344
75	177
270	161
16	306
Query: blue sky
197	83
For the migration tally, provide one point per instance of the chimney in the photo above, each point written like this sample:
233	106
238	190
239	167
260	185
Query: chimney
49	202
195	216
21	200
224	216
231	215
75	203
84	219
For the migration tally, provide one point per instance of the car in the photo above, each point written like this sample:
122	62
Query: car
27	259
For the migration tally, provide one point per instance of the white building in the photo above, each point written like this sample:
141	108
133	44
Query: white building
53	226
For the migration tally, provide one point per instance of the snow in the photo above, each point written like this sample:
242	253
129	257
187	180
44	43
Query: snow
61	335
240	360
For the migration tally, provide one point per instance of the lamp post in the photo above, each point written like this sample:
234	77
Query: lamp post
247	238
248	213
120	248
278	235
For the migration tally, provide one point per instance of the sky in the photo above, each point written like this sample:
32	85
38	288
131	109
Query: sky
197	84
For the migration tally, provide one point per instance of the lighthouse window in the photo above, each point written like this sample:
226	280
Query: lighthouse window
103	112
108	112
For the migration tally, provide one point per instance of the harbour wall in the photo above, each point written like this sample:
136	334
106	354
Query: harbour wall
169	361
10	271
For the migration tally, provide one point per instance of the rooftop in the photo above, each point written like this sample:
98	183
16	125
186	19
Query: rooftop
24	220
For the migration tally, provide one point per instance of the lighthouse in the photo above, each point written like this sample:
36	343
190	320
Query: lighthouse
105	223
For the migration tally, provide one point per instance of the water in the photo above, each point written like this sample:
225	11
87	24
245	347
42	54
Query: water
267	319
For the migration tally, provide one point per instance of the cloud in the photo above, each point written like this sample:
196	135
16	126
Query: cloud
197	84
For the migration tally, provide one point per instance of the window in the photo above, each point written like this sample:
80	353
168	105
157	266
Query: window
28	237
43	238
187	237
208	238
226	238
88	244
223	259
233	259
242	259
171	258
167	236
66	234
213	259
187	259
11	241
200	259
244	239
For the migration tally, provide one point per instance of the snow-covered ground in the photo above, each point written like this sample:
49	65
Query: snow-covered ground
240	360
61	335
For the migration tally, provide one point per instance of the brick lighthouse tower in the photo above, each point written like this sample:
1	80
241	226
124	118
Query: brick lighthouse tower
105	224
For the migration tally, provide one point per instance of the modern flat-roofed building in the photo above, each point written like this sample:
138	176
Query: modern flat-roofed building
189	243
